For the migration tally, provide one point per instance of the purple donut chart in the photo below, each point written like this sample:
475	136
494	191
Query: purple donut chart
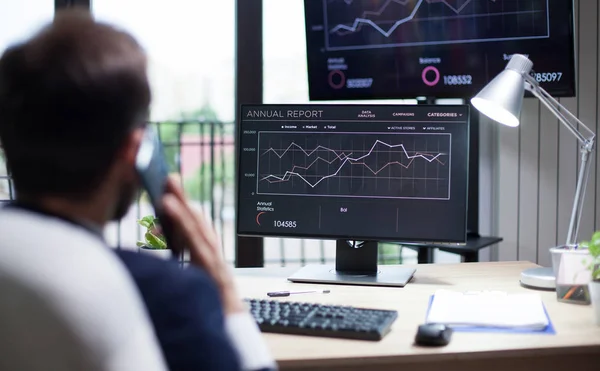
426	76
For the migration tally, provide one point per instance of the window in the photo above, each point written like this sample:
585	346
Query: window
284	54
190	44
191	50
19	20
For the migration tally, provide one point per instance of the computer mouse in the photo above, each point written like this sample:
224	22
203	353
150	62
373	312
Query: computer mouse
433	334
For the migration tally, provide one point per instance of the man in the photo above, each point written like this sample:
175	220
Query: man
74	100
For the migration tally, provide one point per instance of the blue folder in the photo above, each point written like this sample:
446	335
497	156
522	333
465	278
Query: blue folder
549	330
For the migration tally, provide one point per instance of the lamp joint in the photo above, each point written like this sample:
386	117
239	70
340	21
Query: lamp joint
588	145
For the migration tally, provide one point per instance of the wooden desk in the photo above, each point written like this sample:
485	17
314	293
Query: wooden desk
575	347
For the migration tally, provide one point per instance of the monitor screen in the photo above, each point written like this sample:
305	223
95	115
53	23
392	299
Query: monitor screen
361	172
391	49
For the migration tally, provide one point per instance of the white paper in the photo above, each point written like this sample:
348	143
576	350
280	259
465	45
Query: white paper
488	309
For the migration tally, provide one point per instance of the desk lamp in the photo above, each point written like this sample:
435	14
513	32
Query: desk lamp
501	100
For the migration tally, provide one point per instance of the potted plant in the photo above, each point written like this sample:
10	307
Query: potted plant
154	241
593	264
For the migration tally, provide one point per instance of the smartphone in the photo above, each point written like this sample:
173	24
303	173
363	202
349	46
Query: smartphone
153	171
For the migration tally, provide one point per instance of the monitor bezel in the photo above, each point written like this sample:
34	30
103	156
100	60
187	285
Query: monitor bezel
238	175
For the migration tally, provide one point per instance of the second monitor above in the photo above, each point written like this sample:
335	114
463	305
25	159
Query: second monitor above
392	49
354	173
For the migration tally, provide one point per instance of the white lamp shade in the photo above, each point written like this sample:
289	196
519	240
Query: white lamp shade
502	99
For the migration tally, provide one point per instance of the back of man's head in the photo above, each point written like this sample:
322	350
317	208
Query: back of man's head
69	97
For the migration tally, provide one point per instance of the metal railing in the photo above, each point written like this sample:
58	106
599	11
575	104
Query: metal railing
202	154
6	187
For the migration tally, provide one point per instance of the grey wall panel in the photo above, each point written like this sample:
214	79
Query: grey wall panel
508	192
548	186
528	180
588	81
567	173
487	181
596	179
567	159
536	165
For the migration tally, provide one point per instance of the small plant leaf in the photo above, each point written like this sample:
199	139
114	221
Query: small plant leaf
594	250
153	236
154	241
146	221
596	236
596	273
595	243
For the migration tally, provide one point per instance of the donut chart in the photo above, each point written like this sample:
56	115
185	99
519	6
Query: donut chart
436	73
337	79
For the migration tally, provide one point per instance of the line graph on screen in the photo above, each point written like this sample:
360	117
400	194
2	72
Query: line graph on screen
370	165
363	24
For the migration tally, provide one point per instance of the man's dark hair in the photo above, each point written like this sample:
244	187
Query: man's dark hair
69	96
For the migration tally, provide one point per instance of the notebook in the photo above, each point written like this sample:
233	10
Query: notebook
488	309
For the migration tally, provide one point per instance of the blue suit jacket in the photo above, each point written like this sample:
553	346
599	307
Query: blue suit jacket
185	308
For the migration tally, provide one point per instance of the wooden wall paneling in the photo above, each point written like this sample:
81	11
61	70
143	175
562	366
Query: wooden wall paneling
528	180
587	98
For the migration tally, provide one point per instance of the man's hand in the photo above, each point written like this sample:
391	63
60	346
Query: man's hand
197	235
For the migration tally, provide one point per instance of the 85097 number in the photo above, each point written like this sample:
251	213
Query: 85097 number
548	76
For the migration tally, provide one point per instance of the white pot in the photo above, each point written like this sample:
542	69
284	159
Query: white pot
595	295
159	253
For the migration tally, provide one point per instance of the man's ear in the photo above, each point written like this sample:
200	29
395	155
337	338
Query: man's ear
131	146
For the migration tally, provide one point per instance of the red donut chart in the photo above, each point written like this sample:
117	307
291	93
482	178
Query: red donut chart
435	80
342	78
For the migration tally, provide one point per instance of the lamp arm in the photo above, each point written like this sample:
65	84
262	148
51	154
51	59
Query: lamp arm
557	109
587	145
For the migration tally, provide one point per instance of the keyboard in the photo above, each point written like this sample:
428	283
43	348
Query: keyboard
301	318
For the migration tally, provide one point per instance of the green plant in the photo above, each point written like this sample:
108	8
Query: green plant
153	237
389	253
593	246
191	122
198	185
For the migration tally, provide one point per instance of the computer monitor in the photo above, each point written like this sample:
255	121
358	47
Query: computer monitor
391	49
359	174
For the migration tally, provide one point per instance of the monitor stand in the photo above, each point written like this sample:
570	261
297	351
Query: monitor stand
355	264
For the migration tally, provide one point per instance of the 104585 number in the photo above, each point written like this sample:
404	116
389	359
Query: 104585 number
548	76
284	223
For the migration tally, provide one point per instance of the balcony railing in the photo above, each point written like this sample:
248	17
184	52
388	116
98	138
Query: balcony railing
202	155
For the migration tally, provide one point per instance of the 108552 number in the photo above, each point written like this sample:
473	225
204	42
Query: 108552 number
458	80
